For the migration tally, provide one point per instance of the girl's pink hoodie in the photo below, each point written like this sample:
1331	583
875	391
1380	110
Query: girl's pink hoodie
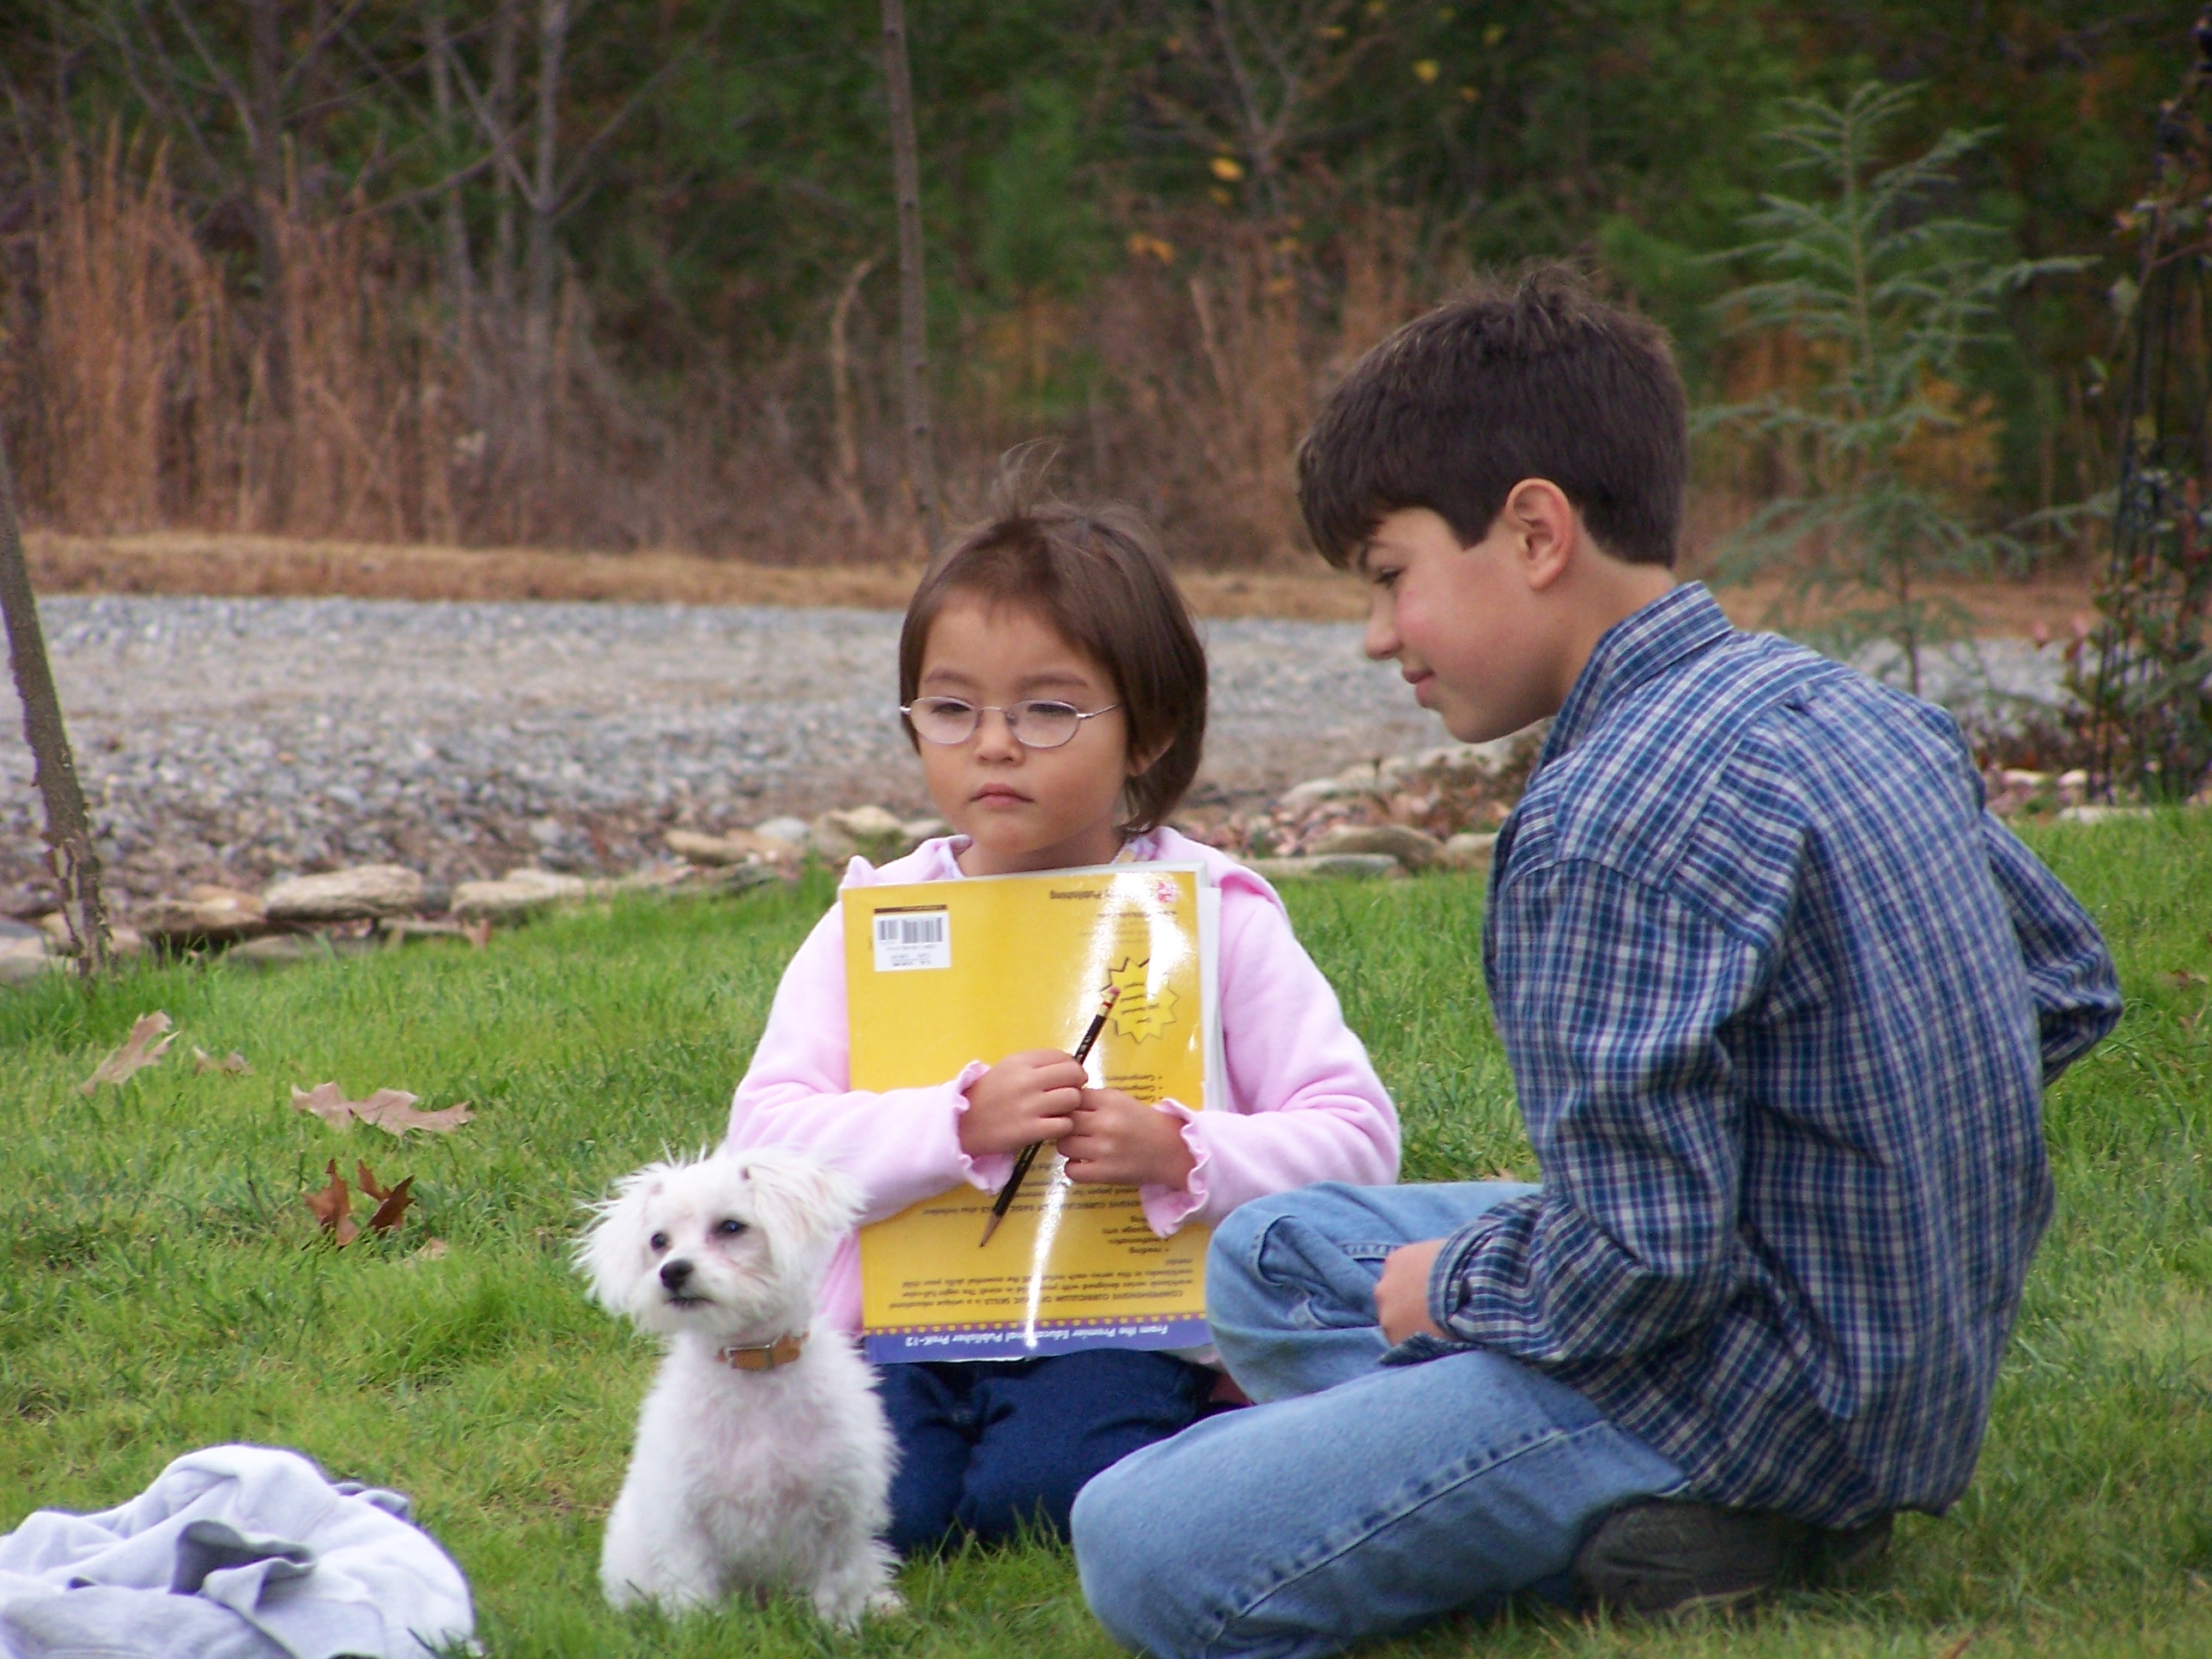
1305	1104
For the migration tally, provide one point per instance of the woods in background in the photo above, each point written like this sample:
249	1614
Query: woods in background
621	273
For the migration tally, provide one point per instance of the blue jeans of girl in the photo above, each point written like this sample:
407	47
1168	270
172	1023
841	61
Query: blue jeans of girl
993	1449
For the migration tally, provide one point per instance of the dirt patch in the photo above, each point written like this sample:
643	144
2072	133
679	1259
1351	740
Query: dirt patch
230	566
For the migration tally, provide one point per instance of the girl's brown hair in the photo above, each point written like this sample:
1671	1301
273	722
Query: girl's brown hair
1096	574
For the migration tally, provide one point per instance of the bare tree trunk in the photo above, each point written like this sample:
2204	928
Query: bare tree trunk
913	317
460	277
1261	137
265	98
840	397
265	69
540	264
69	834
505	28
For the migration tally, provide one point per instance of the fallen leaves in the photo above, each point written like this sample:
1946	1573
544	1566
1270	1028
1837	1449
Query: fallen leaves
332	1206
139	1050
389	1110
2182	978
391	1202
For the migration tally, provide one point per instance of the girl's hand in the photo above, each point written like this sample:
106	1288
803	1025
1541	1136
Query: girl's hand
1119	1140
1026	1097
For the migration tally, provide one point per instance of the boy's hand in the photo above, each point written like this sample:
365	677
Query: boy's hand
1119	1140
1401	1295
1028	1097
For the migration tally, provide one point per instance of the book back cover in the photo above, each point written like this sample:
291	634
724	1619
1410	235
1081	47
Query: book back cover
941	973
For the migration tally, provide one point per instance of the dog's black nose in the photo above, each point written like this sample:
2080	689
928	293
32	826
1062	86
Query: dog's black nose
674	1273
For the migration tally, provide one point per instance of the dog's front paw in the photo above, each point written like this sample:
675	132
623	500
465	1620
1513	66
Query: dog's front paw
886	1603
846	1601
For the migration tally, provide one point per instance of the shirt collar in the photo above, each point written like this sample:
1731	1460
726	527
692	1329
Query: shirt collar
945	855
1682	622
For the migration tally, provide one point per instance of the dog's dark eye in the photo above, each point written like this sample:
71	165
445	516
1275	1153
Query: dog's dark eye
658	1240
731	1228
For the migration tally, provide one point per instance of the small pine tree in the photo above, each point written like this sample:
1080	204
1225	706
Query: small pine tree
1887	295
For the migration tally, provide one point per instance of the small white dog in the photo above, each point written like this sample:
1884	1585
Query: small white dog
762	1458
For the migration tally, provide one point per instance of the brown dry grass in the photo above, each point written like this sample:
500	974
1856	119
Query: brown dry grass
232	565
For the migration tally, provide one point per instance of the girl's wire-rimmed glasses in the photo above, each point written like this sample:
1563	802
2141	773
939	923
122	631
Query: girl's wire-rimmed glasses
1035	723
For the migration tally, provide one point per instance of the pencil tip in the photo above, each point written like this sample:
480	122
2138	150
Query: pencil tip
990	1226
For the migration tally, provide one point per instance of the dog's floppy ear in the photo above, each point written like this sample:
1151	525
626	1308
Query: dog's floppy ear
807	1206
611	1252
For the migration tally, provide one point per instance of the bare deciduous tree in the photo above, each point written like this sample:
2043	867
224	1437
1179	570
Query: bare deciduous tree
69	833
914	314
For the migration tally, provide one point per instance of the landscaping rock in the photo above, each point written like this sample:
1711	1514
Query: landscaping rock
792	832
2099	814
276	951
870	831
397	930
122	940
1359	866
737	846
522	892
1469	760
914	831
669	878
1469	850
1460	762
360	894
1315	792
23	955
205	915
1410	846
736	878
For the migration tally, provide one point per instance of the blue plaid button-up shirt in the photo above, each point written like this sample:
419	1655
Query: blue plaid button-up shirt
1780	1000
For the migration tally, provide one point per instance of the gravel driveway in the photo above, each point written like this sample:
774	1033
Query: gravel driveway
248	738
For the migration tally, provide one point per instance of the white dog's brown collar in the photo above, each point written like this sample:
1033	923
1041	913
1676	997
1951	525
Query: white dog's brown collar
763	1356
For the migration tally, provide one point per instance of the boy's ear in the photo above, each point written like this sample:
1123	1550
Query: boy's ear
1546	529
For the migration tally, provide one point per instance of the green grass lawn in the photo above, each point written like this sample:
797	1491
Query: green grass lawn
163	1286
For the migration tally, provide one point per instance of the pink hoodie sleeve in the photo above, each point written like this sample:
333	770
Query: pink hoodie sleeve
902	1145
1305	1104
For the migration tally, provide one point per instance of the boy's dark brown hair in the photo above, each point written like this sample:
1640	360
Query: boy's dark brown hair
1535	378
1096	574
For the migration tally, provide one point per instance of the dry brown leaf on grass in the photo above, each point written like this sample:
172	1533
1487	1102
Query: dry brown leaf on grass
139	1050
391	1202
234	1063
389	1110
333	1207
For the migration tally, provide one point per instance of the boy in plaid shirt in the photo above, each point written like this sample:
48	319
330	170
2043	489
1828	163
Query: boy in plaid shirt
1780	999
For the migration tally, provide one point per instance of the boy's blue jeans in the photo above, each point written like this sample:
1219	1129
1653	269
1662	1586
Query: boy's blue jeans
1357	1499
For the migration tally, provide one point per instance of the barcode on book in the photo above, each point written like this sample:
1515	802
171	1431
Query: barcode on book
907	940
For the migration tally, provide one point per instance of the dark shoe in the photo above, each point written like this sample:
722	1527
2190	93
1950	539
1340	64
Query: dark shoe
1837	1553
1662	1557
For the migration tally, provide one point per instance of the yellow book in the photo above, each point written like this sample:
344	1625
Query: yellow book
938	974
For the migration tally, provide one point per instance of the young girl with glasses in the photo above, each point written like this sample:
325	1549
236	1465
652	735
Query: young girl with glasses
1051	681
